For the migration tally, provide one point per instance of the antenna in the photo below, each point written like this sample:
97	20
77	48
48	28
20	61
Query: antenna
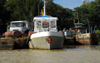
44	8
77	17
83	1
88	1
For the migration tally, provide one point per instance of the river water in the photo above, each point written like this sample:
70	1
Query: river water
69	54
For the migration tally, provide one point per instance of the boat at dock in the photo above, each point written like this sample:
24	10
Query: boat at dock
12	40
6	43
83	36
87	39
46	34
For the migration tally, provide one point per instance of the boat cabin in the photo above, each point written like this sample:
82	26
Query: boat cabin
45	23
79	26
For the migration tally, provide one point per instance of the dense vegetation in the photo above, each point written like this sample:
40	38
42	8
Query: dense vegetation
90	11
27	9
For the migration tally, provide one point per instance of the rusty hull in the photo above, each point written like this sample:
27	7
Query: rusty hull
87	39
6	43
12	43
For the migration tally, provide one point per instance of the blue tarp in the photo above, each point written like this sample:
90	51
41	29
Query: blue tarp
41	16
45	16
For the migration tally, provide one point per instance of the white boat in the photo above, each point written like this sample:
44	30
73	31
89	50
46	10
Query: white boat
46	35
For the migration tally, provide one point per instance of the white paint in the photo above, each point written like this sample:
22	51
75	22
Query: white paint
43	34
48	19
22	29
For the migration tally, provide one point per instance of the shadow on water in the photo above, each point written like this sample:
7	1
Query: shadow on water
74	47
82	47
65	48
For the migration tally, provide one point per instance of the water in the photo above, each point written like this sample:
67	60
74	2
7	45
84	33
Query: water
69	54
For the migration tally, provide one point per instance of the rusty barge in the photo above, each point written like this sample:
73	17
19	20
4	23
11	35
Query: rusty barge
84	36
87	39
12	40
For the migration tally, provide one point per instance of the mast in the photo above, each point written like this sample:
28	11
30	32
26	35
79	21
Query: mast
88	1
44	8
77	17
83	1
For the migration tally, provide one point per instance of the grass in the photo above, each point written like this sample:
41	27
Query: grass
98	31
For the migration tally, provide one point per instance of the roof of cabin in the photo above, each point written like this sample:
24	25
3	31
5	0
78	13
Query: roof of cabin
46	17
78	23
79	27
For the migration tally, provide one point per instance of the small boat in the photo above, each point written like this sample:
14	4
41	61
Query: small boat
46	35
85	37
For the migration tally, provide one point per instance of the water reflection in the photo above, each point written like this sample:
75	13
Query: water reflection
82	47
69	54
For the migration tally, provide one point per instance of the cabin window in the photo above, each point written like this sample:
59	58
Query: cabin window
53	24
16	24
45	24
38	24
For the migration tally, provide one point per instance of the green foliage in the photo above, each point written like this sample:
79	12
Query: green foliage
22	10
4	14
27	9
89	11
98	31
97	2
24	38
64	14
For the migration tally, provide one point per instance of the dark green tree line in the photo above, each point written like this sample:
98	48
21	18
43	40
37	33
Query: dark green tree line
27	9
22	10
89	11
4	14
64	14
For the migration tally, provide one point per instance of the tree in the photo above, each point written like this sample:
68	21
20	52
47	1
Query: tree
4	14
22	10
89	11
97	2
27	9
64	14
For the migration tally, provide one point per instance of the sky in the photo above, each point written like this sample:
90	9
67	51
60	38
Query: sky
71	4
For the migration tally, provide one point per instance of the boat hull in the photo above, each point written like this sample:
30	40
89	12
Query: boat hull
49	41
6	43
87	39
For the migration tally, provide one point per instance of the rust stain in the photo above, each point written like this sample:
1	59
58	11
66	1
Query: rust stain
87	39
